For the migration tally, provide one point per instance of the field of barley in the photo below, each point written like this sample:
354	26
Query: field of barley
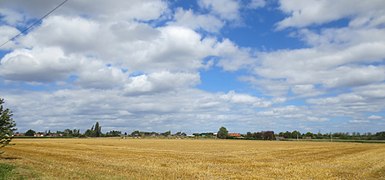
106	158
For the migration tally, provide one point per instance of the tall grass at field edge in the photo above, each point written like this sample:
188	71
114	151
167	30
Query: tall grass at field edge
6	171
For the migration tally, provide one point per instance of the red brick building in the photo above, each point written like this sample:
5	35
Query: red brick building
234	135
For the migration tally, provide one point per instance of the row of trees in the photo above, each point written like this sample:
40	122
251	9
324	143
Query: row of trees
156	134
95	131
269	135
263	135
223	133
65	133
337	135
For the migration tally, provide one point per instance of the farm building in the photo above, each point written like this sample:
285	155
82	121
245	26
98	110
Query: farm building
234	135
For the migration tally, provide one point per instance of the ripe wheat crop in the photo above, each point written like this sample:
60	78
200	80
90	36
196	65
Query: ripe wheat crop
193	159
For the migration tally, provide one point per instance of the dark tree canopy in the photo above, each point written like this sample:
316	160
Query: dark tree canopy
222	133
30	132
98	130
95	131
167	133
7	125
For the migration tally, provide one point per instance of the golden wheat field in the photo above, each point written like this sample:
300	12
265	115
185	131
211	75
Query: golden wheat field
193	159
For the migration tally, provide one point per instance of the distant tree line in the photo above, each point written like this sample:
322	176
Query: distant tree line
337	135
139	134
263	135
223	133
95	131
205	135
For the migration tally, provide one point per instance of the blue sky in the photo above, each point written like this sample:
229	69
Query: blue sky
194	66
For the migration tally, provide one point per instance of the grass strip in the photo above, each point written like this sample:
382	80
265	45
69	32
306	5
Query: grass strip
6	171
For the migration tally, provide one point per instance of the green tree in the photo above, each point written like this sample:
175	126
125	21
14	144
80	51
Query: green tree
88	133
180	134
30	133
309	135
249	135
296	134
98	130
113	133
76	132
95	131
136	134
287	134
380	135
92	131
167	133
68	133
7	125
222	133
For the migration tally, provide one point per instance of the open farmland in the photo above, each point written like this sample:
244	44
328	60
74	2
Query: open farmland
206	159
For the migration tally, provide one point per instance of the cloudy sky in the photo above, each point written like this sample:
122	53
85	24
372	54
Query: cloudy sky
193	66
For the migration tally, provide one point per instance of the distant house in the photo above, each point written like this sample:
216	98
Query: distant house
39	134
235	135
279	138
190	135
19	134
55	135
